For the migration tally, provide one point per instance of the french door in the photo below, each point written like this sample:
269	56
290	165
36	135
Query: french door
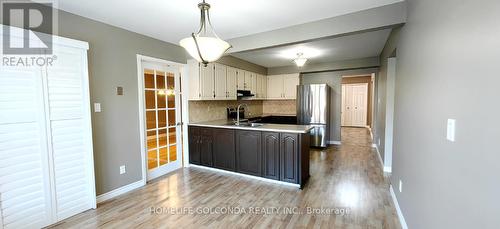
355	105
162	109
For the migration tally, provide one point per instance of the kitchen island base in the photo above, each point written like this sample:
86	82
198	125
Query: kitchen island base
278	156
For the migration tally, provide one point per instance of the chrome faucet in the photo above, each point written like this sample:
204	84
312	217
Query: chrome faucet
238	113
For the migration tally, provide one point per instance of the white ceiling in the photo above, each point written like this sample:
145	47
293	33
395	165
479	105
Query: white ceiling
172	20
356	46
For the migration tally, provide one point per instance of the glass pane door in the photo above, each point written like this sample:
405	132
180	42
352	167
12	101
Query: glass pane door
163	129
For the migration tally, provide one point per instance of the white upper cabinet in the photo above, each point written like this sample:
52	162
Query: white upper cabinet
282	86
207	81
290	86
231	83
241	79
194	80
221	82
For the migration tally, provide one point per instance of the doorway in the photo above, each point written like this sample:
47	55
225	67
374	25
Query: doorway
355	105
162	118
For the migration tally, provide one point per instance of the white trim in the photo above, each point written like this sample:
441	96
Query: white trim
88	111
386	169
119	191
245	175
335	142
142	137
402	220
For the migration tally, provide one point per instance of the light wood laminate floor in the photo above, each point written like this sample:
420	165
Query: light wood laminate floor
342	177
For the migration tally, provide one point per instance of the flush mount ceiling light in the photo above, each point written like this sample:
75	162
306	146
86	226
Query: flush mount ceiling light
205	46
300	60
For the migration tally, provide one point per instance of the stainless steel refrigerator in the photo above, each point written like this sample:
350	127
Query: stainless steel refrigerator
313	108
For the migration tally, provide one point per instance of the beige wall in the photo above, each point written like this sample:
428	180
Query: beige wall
363	79
113	62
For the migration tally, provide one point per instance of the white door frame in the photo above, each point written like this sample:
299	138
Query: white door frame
389	113
366	103
184	110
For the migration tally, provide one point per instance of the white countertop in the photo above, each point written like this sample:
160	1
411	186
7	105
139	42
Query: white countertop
227	124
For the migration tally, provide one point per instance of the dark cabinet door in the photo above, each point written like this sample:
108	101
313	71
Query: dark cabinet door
271	155
248	152
194	145
289	146
224	149
206	146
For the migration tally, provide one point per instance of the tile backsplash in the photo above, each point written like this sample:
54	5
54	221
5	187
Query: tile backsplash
200	111
279	107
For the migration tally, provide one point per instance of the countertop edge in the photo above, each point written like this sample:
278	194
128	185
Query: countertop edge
252	128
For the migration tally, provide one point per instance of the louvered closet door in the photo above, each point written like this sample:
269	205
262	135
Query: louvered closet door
25	199
70	127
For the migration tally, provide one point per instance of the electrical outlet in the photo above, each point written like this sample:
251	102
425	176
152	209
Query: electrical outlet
400	186
378	141
122	169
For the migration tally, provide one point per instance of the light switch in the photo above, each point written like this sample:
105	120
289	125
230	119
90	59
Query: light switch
97	107
450	132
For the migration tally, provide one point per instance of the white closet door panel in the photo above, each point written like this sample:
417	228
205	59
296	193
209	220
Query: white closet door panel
24	184
70	135
70	166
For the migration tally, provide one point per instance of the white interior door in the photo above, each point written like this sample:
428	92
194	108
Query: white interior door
355	105
344	105
162	106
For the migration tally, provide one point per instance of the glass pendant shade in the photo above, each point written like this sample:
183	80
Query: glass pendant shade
205	46
300	61
210	48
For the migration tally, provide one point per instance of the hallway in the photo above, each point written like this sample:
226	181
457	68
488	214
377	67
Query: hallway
347	177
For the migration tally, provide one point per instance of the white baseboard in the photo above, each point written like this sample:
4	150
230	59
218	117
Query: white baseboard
386	169
245	175
398	209
334	142
119	191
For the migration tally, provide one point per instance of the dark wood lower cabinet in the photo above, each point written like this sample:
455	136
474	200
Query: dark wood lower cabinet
206	146
271	155
194	139
224	154
248	152
289	151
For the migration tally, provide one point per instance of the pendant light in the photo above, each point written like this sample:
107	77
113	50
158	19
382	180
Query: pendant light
300	61
205	46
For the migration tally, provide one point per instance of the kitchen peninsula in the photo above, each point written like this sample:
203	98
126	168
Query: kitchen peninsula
273	151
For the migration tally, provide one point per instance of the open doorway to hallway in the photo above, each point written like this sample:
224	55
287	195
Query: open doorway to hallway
357	101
